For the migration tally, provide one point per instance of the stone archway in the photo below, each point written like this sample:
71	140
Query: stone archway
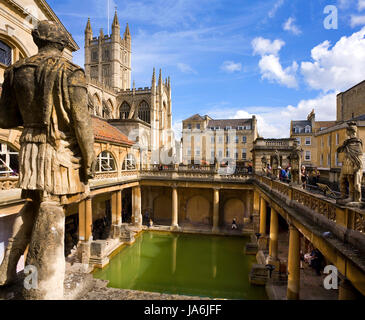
234	208
198	210
162	209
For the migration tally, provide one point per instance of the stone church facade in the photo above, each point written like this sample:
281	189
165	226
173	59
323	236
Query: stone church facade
142	114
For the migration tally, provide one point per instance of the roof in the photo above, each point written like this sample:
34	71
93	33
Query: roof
301	123
106	132
229	123
195	117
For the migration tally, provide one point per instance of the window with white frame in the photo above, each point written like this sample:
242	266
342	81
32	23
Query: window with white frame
212	154
9	160
237	139
299	141
244	154
212	139
308	129
307	156
189	152
129	163
220	153
197	152
296	130
308	141
105	162
244	139
220	140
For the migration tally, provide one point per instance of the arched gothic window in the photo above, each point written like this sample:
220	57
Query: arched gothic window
9	160
144	112
129	163
125	109
5	54
105	162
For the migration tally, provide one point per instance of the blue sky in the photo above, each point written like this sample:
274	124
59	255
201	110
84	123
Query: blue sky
235	58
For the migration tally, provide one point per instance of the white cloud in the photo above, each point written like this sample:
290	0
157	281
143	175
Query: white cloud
270	66
361	5
290	26
357	21
272	70
185	68
231	66
276	7
338	67
264	46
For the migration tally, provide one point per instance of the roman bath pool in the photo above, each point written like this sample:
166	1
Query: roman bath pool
185	264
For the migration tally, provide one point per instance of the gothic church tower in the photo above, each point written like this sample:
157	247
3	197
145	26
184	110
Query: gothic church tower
108	57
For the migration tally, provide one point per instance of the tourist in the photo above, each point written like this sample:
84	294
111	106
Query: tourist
304	176
288	174
282	174
150	224
234	224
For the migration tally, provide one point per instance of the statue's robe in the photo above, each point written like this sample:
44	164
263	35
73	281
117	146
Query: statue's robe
36	96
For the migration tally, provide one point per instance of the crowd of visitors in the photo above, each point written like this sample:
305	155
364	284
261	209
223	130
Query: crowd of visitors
307	177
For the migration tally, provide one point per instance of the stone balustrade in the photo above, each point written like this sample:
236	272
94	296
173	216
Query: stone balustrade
348	217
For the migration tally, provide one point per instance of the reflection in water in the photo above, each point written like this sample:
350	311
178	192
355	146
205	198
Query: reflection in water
184	264
174	249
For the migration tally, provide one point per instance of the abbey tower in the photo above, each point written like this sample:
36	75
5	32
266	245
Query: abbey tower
108	57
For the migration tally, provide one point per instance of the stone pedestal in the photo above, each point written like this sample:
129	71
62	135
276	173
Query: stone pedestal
46	254
115	231
126	235
98	254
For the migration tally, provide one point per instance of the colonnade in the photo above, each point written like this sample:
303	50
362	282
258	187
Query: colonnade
346	290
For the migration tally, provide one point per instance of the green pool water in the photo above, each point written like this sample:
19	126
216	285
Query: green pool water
194	265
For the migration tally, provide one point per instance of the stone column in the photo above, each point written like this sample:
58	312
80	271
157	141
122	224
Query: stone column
175	202
116	213
256	211
85	231
263	214
293	264
136	206
215	210
273	245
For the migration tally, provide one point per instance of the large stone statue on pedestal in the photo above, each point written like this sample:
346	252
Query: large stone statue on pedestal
46	95
352	167
295	158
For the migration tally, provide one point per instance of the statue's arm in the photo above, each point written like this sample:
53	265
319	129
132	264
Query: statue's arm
82	120
10	116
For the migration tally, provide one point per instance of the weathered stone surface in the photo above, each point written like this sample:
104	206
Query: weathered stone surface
56	154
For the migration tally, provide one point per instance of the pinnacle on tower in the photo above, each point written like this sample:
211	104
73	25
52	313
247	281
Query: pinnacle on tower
154	77
88	26
101	33
127	33
160	78
116	21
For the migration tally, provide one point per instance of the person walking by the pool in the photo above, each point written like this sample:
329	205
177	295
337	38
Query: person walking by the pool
234	224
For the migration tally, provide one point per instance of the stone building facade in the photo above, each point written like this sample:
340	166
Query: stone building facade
351	103
206	139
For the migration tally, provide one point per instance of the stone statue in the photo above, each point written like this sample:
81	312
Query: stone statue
264	165
46	95
295	158
275	164
352	166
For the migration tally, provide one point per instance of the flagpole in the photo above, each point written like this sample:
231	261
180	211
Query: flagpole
108	17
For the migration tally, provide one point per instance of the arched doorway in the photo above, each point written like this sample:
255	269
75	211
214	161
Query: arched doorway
198	210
